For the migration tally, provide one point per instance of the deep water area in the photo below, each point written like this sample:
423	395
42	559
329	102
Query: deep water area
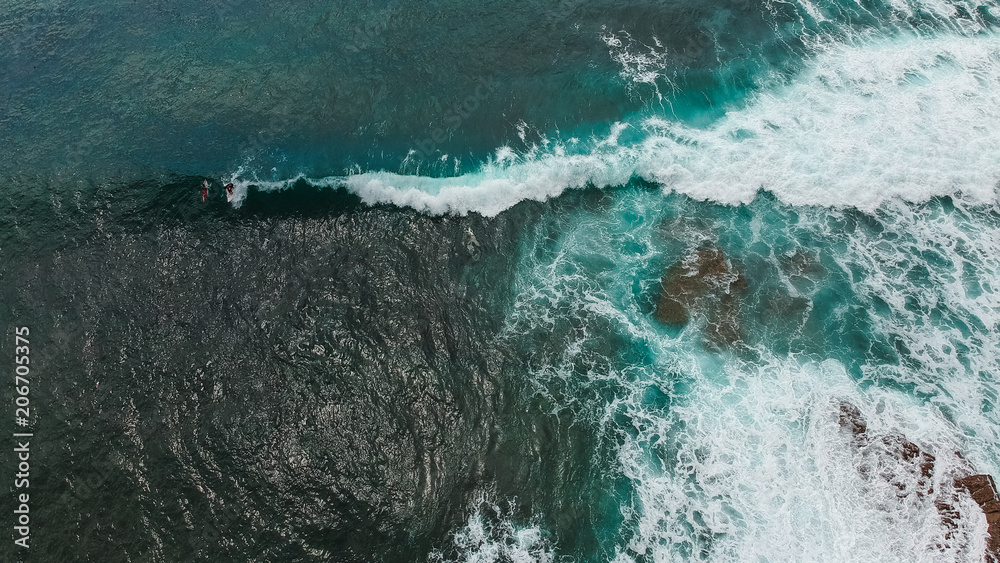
503	282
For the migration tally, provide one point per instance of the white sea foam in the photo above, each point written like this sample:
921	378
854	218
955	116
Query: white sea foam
748	461
936	272
763	471
496	539
906	118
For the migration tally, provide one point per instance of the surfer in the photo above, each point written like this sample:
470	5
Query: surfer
229	191
204	190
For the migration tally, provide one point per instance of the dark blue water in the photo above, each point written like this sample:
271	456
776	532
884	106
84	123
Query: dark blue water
572	282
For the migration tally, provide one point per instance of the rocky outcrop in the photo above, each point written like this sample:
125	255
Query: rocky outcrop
916	462
706	280
983	491
981	488
850	419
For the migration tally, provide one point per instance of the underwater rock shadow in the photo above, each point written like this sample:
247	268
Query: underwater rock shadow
705	280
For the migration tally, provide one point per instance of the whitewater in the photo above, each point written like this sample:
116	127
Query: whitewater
743	457
891	118
685	282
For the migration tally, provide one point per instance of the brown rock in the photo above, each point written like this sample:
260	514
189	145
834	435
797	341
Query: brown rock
983	495
670	311
908	450
724	330
739	284
689	282
994	543
850	418
973	482
982	488
949	514
927	464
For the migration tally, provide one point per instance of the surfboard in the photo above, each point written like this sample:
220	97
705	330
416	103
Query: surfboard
230	195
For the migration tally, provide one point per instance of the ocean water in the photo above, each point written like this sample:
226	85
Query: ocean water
502	282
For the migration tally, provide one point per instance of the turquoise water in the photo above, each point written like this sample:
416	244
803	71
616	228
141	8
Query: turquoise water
569	282
732	447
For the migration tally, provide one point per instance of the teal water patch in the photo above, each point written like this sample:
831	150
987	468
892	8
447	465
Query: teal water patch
719	438
204	88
